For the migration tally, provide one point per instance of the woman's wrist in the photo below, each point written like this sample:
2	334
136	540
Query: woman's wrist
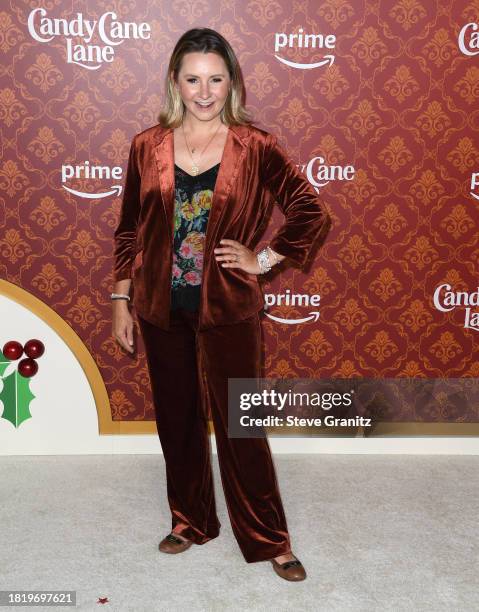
121	292
267	258
276	256
120	304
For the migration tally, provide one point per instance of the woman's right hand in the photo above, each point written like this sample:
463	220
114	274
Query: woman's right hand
122	325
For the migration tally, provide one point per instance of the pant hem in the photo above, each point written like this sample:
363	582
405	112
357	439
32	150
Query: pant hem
267	556
194	537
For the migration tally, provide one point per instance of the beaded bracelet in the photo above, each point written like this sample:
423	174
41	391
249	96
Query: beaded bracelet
264	261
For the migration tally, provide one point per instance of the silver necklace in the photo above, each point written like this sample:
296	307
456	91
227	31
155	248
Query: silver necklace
195	167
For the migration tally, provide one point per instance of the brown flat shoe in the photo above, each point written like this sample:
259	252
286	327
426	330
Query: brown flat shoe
173	544
290	570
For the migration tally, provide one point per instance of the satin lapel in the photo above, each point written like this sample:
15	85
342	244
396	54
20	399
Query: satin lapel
234	154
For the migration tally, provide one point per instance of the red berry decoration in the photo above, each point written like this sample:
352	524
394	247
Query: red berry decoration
34	348
28	367
12	350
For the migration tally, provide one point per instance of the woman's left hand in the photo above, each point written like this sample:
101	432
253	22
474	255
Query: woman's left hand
235	255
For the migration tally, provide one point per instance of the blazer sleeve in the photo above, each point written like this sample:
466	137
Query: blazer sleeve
125	233
306	219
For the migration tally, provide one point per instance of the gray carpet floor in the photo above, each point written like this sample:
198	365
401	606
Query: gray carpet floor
374	532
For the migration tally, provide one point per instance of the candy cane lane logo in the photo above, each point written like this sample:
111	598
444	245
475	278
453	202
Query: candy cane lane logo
468	39
474	184
323	174
85	171
110	32
292	299
452	299
304	41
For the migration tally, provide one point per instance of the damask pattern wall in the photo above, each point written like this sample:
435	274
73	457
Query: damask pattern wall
378	104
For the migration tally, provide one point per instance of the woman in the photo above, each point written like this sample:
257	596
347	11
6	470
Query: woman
198	189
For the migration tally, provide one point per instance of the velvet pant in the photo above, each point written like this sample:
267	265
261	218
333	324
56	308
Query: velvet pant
176	360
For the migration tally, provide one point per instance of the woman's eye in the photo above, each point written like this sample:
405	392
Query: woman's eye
216	80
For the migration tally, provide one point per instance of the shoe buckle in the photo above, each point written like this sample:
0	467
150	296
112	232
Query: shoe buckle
289	564
174	539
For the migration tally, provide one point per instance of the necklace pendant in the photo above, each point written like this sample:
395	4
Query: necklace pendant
194	169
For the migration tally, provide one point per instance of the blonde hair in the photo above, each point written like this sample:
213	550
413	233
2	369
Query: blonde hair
204	40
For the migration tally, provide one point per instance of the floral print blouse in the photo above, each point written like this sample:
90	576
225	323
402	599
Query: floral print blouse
193	197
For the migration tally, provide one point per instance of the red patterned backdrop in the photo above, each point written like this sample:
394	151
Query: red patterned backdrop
385	126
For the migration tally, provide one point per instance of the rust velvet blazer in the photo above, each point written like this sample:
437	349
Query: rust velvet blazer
254	172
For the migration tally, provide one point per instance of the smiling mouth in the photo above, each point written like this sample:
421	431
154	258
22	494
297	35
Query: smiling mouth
209	105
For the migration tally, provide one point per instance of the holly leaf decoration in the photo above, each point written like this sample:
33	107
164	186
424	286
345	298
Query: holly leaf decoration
16	397
4	363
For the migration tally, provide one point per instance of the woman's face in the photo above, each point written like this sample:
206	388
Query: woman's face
203	78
